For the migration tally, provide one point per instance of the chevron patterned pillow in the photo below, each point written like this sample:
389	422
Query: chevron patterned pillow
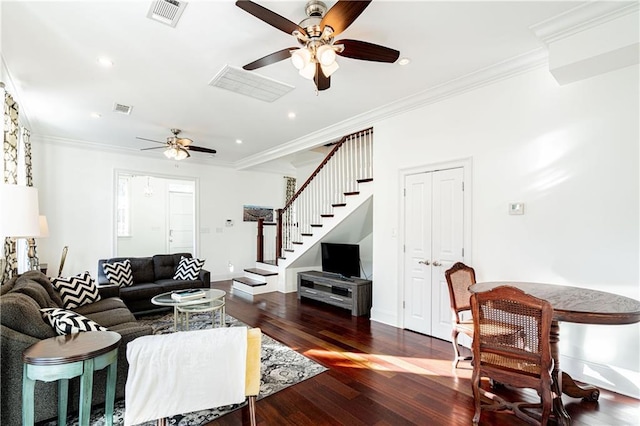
119	273
188	269
77	291
67	322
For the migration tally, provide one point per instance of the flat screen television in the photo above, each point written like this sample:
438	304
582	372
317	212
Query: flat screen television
343	259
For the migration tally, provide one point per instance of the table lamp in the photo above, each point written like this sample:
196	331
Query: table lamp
19	216
43	232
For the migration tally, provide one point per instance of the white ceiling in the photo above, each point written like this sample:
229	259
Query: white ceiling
50	50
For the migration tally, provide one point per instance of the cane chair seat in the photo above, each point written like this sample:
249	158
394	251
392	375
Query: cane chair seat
521	359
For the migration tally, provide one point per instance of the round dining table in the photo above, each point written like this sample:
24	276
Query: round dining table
577	305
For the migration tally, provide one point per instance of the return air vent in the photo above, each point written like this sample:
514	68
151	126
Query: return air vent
166	11
122	109
250	84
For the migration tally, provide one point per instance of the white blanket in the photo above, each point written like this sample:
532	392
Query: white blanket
182	372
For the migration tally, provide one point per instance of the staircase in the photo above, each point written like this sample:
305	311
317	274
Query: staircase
341	187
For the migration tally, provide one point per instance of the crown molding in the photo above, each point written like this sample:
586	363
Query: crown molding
480	78
581	18
94	146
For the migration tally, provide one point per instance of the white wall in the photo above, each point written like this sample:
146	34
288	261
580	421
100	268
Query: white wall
570	154
76	194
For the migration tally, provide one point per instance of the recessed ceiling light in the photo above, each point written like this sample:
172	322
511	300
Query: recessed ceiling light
292	115
105	62
404	61
95	115
238	141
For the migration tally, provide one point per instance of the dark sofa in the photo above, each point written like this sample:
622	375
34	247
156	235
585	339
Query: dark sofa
151	276
22	325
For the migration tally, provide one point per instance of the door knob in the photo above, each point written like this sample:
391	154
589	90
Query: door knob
424	262
436	263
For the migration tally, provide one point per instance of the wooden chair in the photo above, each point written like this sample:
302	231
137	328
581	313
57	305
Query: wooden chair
523	362
459	278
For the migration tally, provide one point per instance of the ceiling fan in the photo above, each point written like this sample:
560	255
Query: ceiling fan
316	58
176	147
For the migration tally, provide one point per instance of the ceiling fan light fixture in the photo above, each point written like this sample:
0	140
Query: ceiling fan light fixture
309	71
327	70
171	152
181	154
301	58
326	55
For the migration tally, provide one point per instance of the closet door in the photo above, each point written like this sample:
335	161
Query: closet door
434	237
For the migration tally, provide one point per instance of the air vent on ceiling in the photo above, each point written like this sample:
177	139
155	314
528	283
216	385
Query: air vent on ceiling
122	109
250	84
166	11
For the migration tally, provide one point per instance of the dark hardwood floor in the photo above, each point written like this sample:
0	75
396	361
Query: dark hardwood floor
378	374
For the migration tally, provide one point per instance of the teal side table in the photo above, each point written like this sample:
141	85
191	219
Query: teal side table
64	357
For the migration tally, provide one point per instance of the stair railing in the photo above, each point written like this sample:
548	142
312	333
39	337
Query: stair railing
348	163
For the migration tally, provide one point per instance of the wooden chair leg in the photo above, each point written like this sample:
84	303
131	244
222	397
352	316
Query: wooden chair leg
456	350
252	409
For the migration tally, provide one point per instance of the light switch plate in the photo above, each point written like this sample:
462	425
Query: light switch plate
516	208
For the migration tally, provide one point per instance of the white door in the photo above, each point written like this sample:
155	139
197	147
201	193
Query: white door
434	237
181	220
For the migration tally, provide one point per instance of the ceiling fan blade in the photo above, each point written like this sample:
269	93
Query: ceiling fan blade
150	140
342	14
271	18
271	58
365	51
201	149
155	147
322	82
184	141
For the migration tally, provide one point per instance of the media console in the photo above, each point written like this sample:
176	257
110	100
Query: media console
353	294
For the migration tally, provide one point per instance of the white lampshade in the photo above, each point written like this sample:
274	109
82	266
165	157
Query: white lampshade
44	227
326	55
309	71
19	217
327	70
171	152
301	58
182	154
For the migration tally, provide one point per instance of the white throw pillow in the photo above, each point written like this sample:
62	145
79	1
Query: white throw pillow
188	269
119	273
67	322
77	291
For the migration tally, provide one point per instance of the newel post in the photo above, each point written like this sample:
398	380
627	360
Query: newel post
279	234
260	248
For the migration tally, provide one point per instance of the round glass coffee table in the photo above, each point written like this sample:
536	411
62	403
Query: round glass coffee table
211	295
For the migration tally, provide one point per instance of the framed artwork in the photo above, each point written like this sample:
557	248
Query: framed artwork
253	213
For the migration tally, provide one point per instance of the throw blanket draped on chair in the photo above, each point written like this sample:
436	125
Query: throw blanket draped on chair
182	372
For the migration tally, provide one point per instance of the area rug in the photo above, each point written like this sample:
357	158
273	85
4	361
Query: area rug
281	367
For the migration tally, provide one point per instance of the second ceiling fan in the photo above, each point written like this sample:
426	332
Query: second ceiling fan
176	147
316	58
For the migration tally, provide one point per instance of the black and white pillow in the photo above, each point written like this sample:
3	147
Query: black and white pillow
188	269
67	322
119	273
77	291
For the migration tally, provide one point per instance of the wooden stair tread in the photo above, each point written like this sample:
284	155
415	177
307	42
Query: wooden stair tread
317	225
262	272
327	215
306	235
352	193
365	180
249	282
339	205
